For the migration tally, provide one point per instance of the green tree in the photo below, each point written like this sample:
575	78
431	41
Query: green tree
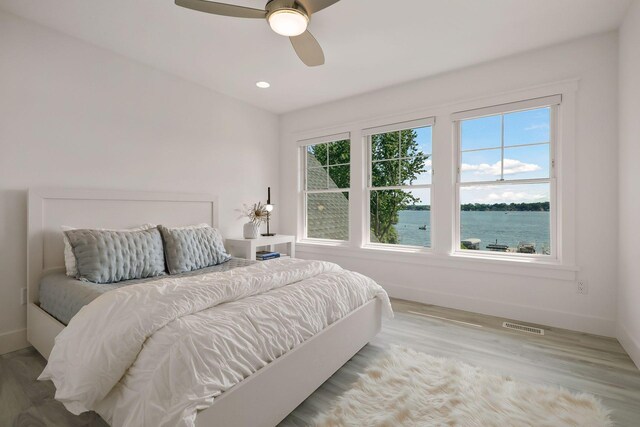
396	160
511	207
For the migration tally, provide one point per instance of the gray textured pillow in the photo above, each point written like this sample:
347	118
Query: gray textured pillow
192	248
105	256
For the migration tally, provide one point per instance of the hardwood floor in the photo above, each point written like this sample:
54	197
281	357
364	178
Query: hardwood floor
579	362
24	401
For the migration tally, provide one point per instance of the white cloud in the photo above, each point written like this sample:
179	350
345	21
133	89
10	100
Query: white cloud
511	167
516	166
544	126
526	193
483	187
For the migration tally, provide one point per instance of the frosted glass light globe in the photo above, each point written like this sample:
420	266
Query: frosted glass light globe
288	22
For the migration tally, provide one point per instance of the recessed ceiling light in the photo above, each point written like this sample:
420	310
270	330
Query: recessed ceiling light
263	85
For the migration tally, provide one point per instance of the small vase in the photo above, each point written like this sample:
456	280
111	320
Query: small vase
251	230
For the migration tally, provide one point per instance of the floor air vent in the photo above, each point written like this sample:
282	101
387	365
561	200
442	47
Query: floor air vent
523	328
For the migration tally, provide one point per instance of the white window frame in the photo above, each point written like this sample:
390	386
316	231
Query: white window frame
444	204
553	103
395	127
302	146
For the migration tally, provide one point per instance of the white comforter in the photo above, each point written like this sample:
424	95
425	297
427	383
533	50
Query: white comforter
152	354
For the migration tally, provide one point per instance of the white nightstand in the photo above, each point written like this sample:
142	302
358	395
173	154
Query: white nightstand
246	248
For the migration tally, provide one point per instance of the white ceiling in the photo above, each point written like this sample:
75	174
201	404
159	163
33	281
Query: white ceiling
369	44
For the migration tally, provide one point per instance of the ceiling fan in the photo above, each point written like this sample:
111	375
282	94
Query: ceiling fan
288	18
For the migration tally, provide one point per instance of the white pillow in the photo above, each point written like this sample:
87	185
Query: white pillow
69	257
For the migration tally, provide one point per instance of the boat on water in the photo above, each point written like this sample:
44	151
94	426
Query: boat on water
422	227
497	247
471	244
526	248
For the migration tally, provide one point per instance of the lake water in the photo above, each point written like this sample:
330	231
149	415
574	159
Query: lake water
509	228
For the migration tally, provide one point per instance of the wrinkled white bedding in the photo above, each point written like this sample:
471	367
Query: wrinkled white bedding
153	354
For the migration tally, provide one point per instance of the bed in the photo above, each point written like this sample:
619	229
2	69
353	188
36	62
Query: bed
62	296
288	373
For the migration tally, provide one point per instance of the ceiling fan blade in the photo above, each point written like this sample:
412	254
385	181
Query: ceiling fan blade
222	9
308	49
313	6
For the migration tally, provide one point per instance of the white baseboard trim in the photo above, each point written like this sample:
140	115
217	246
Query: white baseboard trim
630	345
540	316
13	340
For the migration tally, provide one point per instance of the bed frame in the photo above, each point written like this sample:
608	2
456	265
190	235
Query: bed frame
275	390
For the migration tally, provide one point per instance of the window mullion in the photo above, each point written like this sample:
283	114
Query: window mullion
328	191
505	182
401	187
399	156
502	148
328	160
328	177
475	150
306	169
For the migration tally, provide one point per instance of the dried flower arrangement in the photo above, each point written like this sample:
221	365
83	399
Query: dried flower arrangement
257	213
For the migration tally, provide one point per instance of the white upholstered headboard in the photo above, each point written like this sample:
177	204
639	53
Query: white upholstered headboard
51	208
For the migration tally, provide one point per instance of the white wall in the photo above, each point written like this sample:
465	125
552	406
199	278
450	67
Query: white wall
74	115
629	176
516	293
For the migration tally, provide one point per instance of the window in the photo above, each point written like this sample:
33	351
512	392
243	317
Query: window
506	179
399	184
326	189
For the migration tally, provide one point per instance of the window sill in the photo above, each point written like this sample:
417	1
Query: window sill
513	258
551	264
396	248
322	243
426	257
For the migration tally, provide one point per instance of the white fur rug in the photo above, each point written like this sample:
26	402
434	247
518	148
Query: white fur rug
407	388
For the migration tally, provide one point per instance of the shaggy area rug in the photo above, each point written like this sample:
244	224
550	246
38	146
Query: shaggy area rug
407	388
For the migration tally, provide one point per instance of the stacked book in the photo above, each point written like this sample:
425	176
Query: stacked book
265	255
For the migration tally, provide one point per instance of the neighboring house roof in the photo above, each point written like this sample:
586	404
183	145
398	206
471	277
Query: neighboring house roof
327	213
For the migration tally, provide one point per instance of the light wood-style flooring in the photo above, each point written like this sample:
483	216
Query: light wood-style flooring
579	362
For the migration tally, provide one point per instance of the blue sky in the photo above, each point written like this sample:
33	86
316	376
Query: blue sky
520	162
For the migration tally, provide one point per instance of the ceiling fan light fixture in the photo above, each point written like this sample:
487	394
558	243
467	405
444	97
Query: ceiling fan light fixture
289	18
288	22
